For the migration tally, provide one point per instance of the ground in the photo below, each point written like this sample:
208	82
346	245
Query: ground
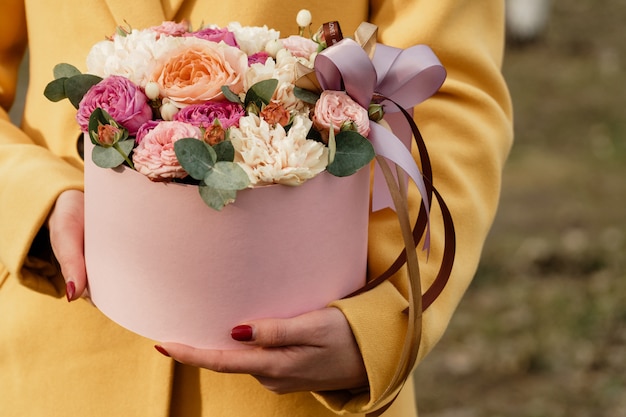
542	330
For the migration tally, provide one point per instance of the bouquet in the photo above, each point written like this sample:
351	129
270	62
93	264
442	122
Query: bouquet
216	107
272	132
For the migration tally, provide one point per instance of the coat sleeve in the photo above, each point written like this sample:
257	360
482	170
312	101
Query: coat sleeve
467	127
26	195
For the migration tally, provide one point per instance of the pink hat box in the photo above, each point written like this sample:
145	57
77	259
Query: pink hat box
166	266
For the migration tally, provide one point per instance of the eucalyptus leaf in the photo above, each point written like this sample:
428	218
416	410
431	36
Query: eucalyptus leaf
106	157
261	93
65	71
216	198
195	156
55	90
225	151
78	85
306	95
353	152
230	96
127	146
227	176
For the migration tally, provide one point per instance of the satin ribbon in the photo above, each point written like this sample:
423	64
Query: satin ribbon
393	77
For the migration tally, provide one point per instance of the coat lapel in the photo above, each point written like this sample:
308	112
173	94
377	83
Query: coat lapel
144	13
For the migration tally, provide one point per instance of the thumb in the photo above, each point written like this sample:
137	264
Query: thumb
66	225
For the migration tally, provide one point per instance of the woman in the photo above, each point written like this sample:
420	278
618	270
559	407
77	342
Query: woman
65	359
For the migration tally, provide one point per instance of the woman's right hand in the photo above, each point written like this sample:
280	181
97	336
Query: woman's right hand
67	225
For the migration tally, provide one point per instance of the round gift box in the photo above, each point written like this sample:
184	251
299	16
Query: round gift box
166	266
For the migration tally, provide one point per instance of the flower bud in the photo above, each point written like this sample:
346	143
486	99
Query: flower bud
168	110
152	90
108	135
376	112
273	46
304	18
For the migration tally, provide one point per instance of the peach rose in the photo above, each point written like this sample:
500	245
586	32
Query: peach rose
155	157
336	108
196	71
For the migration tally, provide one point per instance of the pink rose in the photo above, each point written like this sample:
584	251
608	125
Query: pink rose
215	35
172	28
145	128
204	115
196	71
337	108
119	97
299	46
155	158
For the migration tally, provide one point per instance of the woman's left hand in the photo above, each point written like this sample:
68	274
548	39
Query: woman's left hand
312	352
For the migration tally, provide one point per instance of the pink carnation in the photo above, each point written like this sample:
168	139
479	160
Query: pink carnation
258	58
172	28
215	35
118	96
155	158
204	115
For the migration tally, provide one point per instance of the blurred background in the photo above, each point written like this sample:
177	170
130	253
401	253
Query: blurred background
542	330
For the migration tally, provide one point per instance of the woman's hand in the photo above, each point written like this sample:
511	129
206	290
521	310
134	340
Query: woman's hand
67	226
312	352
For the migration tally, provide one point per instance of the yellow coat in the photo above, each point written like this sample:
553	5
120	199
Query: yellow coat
60	359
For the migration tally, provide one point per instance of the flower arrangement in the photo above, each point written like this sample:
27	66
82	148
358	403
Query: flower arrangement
219	107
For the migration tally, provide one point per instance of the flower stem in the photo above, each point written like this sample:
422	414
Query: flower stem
126	158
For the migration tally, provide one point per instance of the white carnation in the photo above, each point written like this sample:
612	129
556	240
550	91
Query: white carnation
252	39
132	56
270	155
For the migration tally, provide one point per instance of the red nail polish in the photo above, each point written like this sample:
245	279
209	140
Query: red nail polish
70	290
161	350
242	333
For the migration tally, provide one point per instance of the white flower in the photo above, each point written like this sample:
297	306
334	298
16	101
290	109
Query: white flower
252	39
304	18
132	56
271	155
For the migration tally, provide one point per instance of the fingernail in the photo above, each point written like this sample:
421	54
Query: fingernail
70	290
242	333
161	350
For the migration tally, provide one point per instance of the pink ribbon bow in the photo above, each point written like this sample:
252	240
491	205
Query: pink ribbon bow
401	77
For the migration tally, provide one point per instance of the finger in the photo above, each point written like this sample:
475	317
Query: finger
307	329
66	225
242	361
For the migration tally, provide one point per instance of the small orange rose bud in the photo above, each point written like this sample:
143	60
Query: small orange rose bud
275	113
109	135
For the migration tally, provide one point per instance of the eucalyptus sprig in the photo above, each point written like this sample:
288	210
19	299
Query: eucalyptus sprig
69	83
220	178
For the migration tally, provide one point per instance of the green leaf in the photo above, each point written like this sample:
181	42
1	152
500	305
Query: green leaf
195	156
306	95
106	157
78	85
230	96
353	152
96	118
261	93
227	176
225	151
55	90
65	71
216	198
127	146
